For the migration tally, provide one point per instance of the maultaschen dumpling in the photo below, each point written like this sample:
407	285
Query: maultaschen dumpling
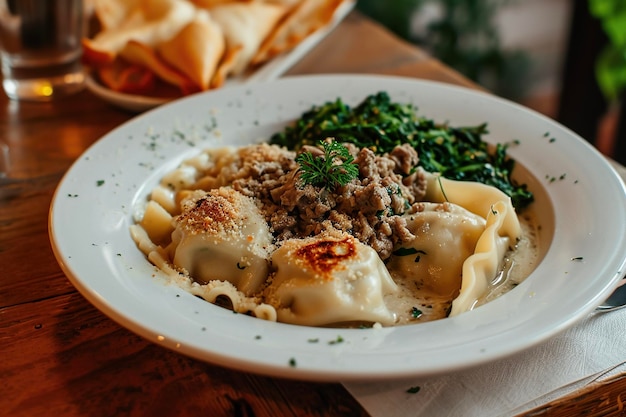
221	234
328	279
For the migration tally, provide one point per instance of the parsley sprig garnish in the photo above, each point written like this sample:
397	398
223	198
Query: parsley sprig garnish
335	168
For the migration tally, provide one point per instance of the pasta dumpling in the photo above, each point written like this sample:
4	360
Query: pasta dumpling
445	236
221	234
482	267
501	231
327	279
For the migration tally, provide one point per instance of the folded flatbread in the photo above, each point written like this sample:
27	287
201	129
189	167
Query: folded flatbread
140	54
245	26
302	20
147	21
196	50
111	13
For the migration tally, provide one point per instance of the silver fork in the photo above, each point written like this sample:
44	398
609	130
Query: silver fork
616	301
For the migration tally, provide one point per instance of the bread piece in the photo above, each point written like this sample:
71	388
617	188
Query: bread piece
140	54
245	26
112	13
149	22
206	4
302	20
196	50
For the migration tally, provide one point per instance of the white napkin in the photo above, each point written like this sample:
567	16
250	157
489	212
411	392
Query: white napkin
509	386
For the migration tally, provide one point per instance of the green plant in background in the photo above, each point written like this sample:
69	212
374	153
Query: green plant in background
396	15
461	33
611	63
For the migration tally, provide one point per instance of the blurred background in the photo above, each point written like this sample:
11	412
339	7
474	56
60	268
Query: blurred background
563	58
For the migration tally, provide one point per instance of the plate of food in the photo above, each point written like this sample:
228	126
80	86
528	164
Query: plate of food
342	227
147	52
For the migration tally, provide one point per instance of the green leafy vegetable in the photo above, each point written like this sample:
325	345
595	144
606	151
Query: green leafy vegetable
377	123
335	168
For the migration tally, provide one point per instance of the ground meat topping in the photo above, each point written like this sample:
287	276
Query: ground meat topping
368	207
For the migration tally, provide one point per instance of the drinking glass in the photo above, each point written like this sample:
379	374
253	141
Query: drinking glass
40	48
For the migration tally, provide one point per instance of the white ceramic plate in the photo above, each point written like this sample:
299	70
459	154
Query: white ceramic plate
269	71
580	201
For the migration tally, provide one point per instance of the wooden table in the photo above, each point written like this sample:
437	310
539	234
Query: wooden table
59	356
